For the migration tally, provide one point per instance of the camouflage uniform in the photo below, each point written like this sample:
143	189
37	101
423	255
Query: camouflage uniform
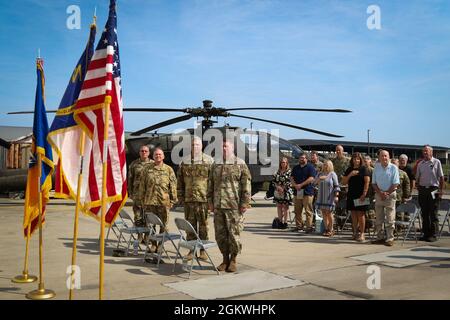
229	190
403	192
134	178
192	190
404	188
318	166
340	165
158	190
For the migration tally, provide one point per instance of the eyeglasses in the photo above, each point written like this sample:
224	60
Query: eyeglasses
144	151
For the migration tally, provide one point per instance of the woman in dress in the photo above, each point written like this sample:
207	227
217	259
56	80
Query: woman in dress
327	195
283	194
357	177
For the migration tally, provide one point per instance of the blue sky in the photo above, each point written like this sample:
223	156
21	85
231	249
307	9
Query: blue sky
250	53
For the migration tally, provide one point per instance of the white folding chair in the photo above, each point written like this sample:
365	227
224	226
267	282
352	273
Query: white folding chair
194	246
123	220
415	200
126	226
115	227
152	221
413	210
444	206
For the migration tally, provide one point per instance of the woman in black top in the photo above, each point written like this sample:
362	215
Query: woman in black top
358	179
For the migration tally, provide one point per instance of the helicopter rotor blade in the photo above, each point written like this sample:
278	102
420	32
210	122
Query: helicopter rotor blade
289	125
162	124
290	109
154	110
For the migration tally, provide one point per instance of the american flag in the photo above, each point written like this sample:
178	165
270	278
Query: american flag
102	85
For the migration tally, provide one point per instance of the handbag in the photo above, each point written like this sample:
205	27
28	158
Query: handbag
276	223
270	191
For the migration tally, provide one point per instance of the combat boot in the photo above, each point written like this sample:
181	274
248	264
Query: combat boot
224	265
203	255
232	267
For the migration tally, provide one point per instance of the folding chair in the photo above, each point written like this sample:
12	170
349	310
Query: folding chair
413	211
126	226
341	215
118	223
194	246
444	205
291	216
152	221
415	200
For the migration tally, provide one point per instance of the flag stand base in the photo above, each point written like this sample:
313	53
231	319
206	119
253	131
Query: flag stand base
24	278
41	294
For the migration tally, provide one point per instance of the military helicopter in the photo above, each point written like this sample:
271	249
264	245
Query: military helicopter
249	138
252	140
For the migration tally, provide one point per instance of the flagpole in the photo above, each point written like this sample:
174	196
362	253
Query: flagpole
77	211
104	196
25	277
41	293
77	206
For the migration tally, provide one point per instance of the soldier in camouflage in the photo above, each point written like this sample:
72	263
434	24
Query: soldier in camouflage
134	177
403	191
192	187
340	162
229	195
158	189
315	161
404	188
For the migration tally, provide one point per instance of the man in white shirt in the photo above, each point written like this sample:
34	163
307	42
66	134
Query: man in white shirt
385	179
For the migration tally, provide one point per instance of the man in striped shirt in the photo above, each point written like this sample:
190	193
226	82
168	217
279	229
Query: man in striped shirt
430	183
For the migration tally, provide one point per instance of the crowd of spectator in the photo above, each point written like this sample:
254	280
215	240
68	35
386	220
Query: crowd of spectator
370	190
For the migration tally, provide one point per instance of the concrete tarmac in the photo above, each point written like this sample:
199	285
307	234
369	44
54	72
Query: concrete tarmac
323	265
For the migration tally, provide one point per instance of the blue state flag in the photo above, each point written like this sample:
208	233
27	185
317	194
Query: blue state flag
39	180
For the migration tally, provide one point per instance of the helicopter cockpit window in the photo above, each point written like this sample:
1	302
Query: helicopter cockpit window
287	149
163	143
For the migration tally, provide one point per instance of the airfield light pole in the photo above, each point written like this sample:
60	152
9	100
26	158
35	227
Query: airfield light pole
368	142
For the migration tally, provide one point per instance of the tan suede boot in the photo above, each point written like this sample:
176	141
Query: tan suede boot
203	255
232	267
224	265
189	256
